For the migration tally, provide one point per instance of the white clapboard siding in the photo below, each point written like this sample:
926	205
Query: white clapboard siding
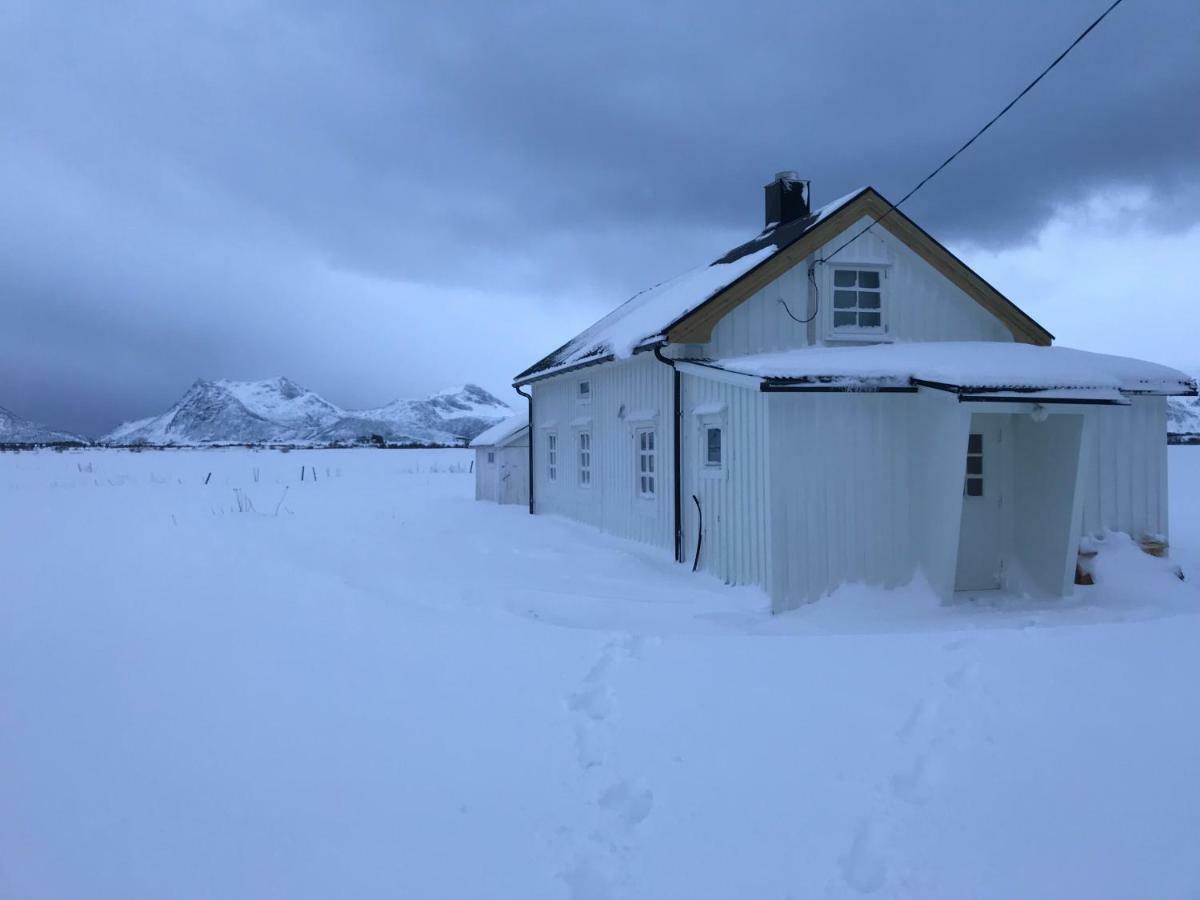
734	500
921	303
1125	480
625	395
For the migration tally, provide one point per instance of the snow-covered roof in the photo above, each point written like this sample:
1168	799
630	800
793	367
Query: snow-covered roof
502	431
644	317
983	365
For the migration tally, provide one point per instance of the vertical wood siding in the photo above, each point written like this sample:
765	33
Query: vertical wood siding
1125	480
922	304
485	475
619	391
840	498
735	501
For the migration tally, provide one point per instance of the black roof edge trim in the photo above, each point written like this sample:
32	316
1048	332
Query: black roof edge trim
1068	401
793	387
584	363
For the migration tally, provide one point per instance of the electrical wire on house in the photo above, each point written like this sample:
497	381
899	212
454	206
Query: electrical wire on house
816	294
996	118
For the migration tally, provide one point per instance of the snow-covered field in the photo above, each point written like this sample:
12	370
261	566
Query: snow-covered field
369	685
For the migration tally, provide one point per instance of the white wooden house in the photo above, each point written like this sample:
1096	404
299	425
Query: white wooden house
502	461
798	418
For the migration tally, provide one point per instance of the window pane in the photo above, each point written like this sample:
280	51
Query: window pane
974	465
975	443
869	320
649	440
713	457
649	463
974	487
844	319
844	299
844	277
868	279
868	300
585	387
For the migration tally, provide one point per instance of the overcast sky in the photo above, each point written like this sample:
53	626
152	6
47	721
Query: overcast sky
382	199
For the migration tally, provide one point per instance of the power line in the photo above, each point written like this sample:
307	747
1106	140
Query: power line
996	118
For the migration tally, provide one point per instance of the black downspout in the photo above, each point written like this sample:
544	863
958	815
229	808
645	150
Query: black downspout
529	398
678	454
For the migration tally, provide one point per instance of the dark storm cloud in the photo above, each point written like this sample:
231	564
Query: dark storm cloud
176	179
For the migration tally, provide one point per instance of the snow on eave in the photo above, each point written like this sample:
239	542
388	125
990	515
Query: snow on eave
964	366
502	431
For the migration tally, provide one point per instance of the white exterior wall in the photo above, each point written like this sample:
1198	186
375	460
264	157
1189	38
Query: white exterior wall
506	478
920	303
1125	469
625	395
485	474
735	499
861	492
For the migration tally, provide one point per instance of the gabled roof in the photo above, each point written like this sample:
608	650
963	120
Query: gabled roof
503	431
685	309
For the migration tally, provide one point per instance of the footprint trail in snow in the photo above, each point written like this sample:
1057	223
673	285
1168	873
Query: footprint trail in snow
616	805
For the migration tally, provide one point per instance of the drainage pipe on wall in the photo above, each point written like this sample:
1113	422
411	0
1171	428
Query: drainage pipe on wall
676	450
529	398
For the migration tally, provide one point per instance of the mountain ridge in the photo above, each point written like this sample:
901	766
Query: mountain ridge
279	411
17	430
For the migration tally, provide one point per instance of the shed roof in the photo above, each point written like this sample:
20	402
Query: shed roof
988	366
502	431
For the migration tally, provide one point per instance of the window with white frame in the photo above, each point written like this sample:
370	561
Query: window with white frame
646	473
585	459
857	299
552	456
584	392
712	446
491	456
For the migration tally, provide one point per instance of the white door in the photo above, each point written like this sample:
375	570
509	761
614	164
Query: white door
981	542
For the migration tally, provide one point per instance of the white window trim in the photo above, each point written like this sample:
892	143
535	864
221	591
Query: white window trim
711	416
856	334
579	467
638	453
552	457
580	397
491	457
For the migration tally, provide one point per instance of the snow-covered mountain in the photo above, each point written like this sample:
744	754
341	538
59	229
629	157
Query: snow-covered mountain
1183	415
15	430
280	411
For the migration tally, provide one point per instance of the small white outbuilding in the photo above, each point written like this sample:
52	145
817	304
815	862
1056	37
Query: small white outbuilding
502	461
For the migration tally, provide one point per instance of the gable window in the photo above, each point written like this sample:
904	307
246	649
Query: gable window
712	446
552	456
585	392
491	456
857	300
973	486
646	474
585	459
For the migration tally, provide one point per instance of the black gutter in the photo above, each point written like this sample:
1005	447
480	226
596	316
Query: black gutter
529	398
785	387
986	395
594	361
1081	401
676	451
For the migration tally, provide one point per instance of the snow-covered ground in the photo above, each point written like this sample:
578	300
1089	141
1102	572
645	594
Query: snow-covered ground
369	685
